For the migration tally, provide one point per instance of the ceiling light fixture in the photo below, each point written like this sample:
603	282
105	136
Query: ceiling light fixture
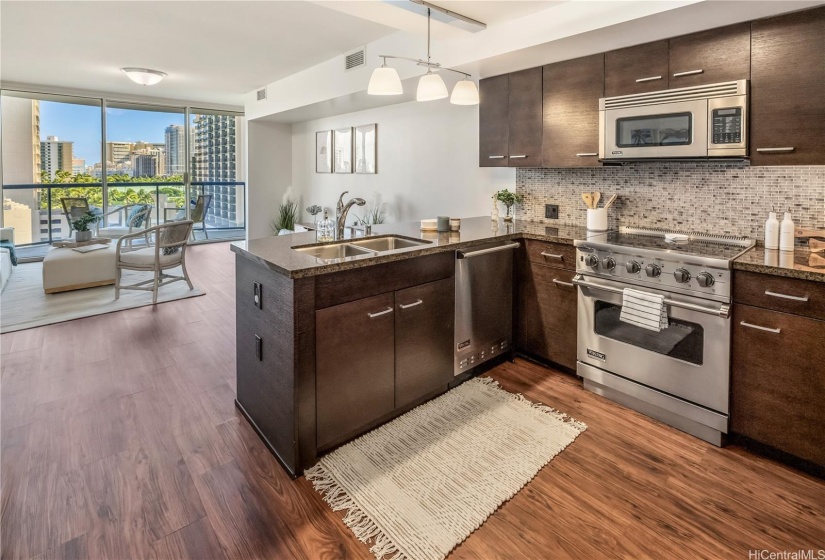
144	76
385	80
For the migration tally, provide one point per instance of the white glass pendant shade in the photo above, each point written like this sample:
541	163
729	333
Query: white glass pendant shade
144	76
385	81
465	92
430	87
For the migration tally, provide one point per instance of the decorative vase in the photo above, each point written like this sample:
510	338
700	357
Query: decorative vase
494	213
508	217
83	236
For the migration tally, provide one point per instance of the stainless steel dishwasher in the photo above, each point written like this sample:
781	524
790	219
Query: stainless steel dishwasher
483	304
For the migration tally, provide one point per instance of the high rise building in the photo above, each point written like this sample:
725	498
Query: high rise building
148	162
21	166
175	150
215	155
78	166
119	152
55	155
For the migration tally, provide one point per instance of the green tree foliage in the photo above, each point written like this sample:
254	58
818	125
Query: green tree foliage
118	195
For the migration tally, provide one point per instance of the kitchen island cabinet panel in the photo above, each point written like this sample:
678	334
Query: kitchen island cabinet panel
778	381
571	112
424	321
636	69
711	56
788	89
354	355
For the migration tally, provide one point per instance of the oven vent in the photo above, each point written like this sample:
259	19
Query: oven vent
723	89
355	59
659	232
261	94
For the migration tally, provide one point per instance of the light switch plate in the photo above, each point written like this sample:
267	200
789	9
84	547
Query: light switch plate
551	211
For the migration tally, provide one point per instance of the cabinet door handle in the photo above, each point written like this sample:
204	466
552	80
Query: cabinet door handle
413	304
688	73
759	328
560	283
650	79
588	154
785	296
518	157
775	150
373	315
552	256
496	157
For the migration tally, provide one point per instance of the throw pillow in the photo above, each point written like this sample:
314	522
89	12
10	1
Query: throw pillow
170	250
135	218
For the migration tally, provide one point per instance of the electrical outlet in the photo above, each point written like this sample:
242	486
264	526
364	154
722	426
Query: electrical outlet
551	211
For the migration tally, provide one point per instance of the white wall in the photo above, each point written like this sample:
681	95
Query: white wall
269	173
427	163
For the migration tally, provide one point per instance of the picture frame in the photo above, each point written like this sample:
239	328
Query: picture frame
342	150
366	148
323	151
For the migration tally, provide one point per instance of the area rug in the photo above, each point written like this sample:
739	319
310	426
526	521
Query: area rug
418	486
24	305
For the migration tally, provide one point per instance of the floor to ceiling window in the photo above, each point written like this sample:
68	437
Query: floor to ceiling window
56	146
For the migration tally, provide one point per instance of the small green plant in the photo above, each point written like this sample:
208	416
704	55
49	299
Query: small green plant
375	215
508	198
287	212
82	223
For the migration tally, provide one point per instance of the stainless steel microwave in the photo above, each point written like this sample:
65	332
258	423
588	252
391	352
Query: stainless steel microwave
707	121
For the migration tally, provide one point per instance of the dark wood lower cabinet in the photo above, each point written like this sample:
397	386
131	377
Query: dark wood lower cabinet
424	319
778	381
546	313
354	366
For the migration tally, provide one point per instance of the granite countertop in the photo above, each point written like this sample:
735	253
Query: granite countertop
276	252
801	264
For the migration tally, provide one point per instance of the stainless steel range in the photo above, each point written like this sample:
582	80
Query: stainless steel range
681	374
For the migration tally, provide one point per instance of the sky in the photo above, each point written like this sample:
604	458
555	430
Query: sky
81	125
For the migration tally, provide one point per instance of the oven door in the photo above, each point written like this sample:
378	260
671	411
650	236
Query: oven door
666	130
689	359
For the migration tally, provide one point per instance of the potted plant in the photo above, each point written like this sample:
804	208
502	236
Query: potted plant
81	227
287	213
509	199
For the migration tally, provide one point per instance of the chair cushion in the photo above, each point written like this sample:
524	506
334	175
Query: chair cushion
146	257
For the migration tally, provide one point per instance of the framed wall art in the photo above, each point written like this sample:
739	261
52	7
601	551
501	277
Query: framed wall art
342	149
323	151
366	148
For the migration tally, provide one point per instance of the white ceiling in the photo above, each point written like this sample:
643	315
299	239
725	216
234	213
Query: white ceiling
213	51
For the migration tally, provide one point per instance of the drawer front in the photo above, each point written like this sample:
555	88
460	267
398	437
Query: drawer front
789	295
551	254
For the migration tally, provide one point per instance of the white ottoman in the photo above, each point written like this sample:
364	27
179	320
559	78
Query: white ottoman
64	269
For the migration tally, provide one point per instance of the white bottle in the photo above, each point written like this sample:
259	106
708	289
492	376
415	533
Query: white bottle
786	233
772	232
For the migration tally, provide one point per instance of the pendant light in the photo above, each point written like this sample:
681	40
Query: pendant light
385	80
144	76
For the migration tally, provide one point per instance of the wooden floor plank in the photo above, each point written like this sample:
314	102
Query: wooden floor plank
196	541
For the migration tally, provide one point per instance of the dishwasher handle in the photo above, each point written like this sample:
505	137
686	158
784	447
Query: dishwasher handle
468	254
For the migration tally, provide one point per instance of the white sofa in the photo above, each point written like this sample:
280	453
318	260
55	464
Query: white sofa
6	234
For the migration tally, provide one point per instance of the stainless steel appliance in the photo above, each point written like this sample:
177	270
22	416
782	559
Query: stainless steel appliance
680	375
707	121
483	304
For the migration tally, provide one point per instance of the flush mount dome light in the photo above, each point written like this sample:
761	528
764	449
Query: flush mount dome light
144	76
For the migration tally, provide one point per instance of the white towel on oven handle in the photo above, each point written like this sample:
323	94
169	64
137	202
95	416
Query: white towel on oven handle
644	310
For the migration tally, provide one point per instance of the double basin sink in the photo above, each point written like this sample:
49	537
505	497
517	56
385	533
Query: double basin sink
370	246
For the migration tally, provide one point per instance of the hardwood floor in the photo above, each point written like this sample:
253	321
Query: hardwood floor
120	440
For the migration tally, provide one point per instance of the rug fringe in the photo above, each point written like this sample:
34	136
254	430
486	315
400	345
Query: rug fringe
364	528
561	416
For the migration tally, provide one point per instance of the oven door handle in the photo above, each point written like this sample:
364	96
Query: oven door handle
721	311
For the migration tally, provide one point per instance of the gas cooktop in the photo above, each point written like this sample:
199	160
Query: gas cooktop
700	245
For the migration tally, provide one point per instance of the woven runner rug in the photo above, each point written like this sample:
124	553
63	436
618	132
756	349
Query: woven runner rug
416	487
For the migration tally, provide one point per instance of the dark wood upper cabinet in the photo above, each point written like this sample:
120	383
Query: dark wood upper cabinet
636	69
424	318
788	89
712	56
493	121
571	112
355	361
525	118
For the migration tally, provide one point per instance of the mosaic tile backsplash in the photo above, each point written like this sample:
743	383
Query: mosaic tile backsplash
721	198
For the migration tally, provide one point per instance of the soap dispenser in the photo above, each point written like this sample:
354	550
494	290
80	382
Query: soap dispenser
326	229
772	231
786	233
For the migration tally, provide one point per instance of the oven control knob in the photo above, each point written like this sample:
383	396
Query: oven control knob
653	270
608	263
681	275
633	267
705	279
592	261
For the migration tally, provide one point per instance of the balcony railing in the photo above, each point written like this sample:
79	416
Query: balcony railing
36	211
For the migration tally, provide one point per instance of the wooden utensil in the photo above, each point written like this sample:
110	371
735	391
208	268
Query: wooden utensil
803	232
610	201
588	199
816	246
597	196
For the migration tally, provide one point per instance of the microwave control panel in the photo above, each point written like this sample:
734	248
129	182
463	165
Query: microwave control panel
727	125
